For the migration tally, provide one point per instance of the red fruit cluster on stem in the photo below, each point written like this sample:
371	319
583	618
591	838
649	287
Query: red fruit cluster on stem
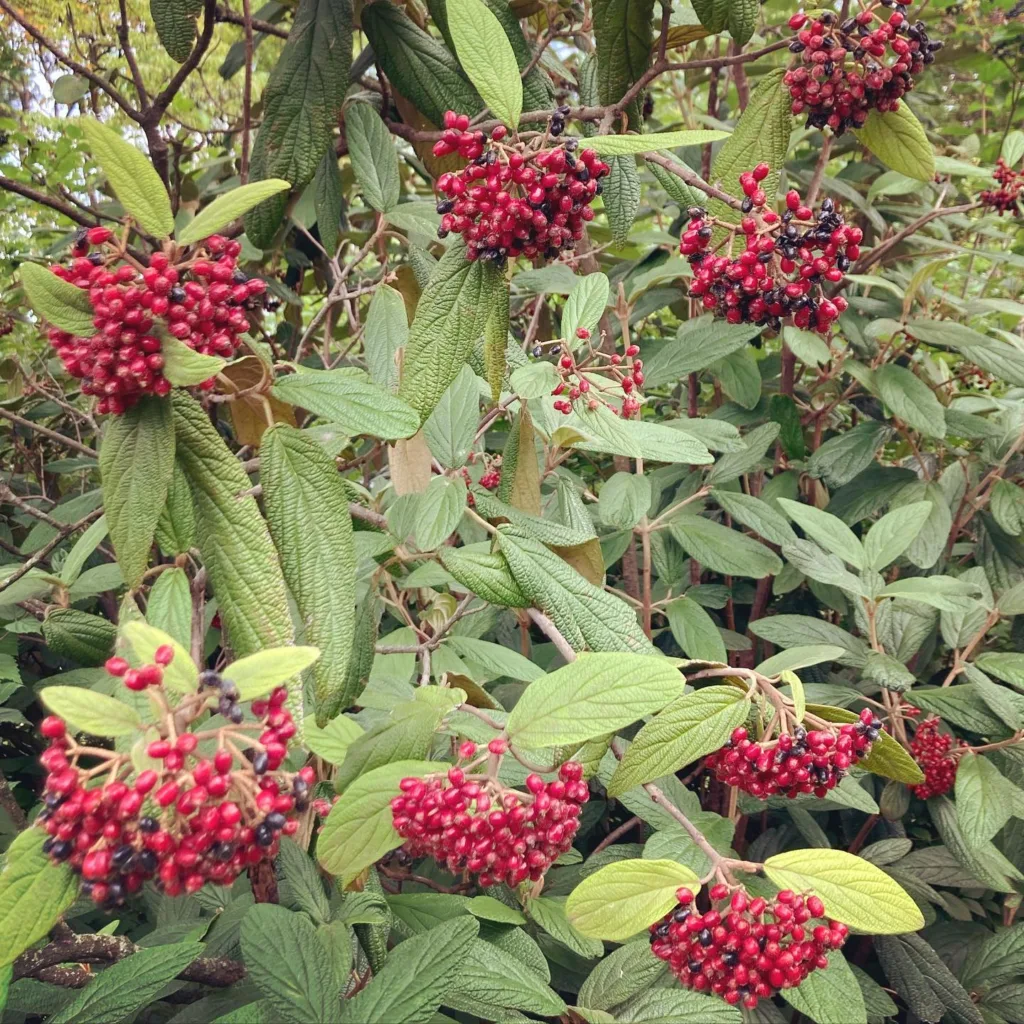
195	816
746	949
846	70
202	301
473	823
930	749
802	761
784	264
592	375
1010	192
516	200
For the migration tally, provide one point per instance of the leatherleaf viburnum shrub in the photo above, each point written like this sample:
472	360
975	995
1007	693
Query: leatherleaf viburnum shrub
512	512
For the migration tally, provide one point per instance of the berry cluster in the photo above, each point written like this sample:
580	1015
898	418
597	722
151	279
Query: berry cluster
747	949
516	199
801	761
190	818
784	264
1010	191
930	749
202	301
846	70
595	374
490	479
472	823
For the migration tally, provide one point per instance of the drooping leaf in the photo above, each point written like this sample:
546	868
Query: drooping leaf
898	140
230	206
175	24
58	302
622	31
373	156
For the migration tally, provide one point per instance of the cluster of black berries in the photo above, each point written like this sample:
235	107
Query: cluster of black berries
227	700
794	763
867	62
203	301
784	264
1010	192
746	949
516	199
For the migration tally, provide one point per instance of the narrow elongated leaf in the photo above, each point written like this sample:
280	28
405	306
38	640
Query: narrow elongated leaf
486	575
724	550
169	607
95	713
686	730
230	206
800	657
487	57
373	156
984	799
623	145
853	890
58	302
136	464
626	897
386	330
307	511
622	30
132	177
585	306
595	695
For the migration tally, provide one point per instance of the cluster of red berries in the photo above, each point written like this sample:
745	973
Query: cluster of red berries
747	949
516	200
794	763
472	823
846	70
190	819
489	479
202	301
784	264
1010	191
930	749
595	374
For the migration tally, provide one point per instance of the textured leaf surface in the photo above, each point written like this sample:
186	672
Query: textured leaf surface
233	538
829	996
373	156
58	302
622	145
79	636
984	799
625	897
486	575
175	24
595	695
132	177
486	55
622	30
307	510
898	140
722	549
136	464
450	318
854	890
911	400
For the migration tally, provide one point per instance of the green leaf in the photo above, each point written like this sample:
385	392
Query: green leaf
496	334
753	512
595	695
451	428
450	318
585	306
497	978
888	672
800	657
624	500
626	145
698	344
622	973
301	105
439	510
695	631
84	547
132	177
58	302
34	892
236	548
176	528
894	533
333	740
724	550
911	400
984	799
407	734
289	965
1005	666
621	196
348	399
550	915
418	975
625	897
854	891
229	207
91	712
999	959
828	530
743	20
175	24
486	575
257	674
943	592
742	460
898	140
713	14
184	367
494	658
140	641
358	831
136	464
795	630
545	530
487	57
603	431
130	985
329	206
307	512
386	330
622	31
689	728
417	64
806	346
761	134
169	607
829	996
373	155
69	89
78	636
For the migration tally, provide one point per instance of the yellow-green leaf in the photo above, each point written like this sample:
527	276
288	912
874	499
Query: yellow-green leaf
487	57
898	140
57	301
139	641
184	367
258	674
229	206
91	712
624	145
